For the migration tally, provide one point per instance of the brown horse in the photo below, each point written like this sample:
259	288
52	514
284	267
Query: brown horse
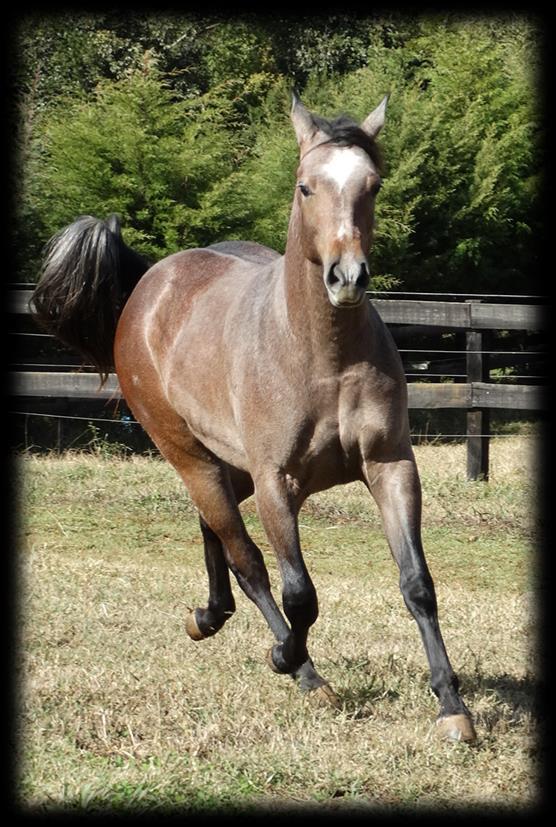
266	374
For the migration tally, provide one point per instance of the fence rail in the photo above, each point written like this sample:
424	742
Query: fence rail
472	314
420	394
37	376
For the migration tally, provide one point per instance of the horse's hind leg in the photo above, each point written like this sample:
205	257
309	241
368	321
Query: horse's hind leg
204	622
396	488
208	481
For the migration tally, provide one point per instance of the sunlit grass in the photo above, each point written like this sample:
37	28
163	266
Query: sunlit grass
120	709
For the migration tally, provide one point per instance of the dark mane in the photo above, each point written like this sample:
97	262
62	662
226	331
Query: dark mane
344	131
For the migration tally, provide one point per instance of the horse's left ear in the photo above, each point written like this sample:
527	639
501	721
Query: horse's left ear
375	121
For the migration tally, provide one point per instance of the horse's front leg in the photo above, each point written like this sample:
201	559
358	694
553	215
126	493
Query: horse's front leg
278	513
396	488
278	510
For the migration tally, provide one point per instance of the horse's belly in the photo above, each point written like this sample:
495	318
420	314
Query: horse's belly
224	446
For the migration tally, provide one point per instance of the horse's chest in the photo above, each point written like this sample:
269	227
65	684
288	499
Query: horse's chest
342	413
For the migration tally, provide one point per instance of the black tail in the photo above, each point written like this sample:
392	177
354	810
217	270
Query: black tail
87	275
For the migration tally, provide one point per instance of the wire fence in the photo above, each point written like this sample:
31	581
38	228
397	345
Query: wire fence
127	422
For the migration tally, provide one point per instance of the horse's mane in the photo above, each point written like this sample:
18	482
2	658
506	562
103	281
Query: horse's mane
344	131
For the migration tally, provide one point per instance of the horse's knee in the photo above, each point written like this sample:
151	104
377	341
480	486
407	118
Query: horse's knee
418	592
299	599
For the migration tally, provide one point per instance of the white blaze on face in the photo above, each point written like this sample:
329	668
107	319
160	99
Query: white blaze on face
343	165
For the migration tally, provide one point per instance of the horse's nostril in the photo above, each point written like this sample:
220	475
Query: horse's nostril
363	277
332	278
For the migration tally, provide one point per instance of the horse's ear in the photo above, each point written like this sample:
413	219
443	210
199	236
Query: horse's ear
375	121
303	123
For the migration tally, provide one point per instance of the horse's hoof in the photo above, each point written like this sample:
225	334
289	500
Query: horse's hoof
456	728
271	663
192	628
323	696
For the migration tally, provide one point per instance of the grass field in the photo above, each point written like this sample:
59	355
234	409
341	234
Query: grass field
121	710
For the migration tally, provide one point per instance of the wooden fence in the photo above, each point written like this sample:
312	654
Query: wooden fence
466	372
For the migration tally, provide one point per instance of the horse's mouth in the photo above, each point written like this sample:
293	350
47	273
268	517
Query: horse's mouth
351	298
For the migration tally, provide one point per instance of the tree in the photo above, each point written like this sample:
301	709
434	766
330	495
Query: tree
181	124
133	149
476	123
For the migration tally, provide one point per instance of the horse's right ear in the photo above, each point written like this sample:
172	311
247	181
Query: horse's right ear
303	123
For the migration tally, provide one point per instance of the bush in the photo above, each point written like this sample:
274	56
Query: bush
135	150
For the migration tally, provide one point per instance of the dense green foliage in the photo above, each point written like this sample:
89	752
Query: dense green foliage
180	124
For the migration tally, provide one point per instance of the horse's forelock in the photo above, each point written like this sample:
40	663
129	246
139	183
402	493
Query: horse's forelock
344	131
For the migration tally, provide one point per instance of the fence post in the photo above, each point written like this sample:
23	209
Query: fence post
478	419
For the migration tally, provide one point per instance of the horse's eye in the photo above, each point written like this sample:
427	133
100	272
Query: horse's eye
305	191
377	184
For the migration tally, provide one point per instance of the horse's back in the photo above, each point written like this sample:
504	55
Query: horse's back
197	270
246	250
183	276
185	305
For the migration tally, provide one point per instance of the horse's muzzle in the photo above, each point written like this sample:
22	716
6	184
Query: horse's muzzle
346	287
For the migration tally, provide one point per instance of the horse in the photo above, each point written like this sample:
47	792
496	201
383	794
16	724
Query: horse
265	374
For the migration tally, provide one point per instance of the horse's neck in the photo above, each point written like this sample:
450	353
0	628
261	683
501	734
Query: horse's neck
332	338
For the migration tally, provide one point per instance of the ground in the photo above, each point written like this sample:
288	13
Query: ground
120	709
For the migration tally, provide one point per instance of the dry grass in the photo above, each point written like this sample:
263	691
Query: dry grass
120	709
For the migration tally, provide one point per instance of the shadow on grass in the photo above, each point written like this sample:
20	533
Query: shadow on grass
367	687
513	700
509	699
360	702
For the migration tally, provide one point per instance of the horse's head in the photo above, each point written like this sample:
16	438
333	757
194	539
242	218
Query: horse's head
337	181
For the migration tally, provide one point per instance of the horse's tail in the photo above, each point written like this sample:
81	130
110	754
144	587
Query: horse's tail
87	275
